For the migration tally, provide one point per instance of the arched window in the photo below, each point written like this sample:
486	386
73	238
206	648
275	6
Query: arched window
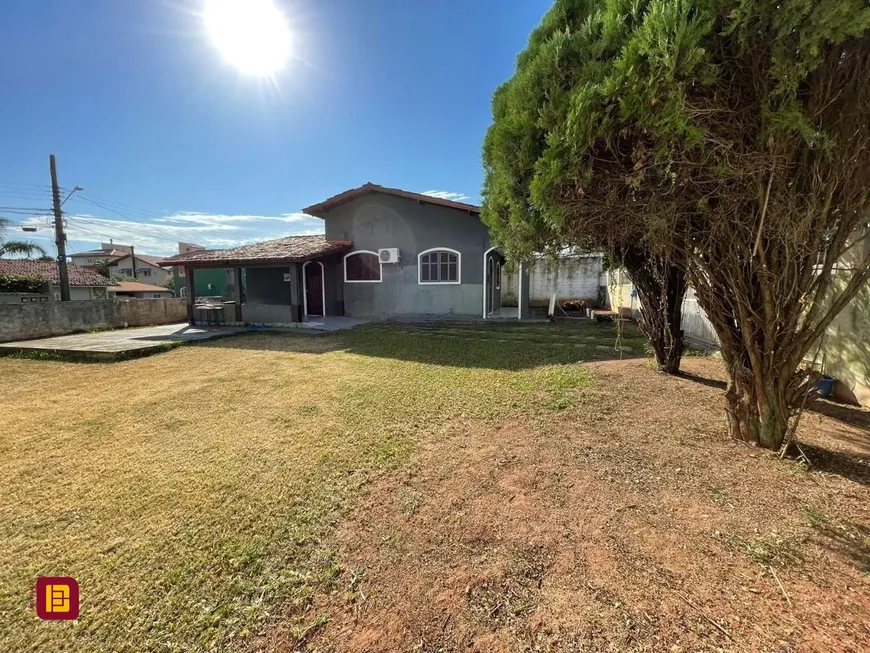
439	265
362	267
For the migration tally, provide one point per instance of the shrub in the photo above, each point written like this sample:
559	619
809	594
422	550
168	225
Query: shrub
30	283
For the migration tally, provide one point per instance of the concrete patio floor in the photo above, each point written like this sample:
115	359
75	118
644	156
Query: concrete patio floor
141	341
118	343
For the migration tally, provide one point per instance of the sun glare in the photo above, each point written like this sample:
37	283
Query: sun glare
252	35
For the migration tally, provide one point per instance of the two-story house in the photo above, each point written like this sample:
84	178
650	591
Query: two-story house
386	253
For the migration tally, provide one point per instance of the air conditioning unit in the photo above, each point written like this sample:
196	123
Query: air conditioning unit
389	255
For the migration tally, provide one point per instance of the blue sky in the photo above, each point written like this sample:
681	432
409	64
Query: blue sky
143	111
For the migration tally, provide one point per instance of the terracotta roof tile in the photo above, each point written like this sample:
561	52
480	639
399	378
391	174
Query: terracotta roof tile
78	275
283	250
135	286
319	210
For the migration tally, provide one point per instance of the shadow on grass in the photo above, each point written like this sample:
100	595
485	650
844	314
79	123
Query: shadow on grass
852	461
853	416
853	466
424	347
848	539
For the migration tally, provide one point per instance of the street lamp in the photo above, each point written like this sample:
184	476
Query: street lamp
71	193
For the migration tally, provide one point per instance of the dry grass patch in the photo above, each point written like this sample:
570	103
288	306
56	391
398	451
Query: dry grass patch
628	522
191	493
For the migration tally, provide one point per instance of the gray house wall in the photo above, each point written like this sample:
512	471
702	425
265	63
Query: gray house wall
378	221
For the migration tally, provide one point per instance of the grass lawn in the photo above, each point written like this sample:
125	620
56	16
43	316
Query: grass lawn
434	487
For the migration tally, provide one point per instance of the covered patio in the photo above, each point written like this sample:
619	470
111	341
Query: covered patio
288	282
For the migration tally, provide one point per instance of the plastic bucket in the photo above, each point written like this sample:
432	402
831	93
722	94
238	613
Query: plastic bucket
825	386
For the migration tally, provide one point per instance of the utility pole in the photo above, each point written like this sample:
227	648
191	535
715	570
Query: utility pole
59	235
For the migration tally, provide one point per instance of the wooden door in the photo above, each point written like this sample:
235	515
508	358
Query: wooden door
314	288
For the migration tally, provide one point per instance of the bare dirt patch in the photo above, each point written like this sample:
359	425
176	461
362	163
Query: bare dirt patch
628	523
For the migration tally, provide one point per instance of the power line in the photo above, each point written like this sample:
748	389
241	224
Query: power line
23	184
117	209
128	218
78	220
21	209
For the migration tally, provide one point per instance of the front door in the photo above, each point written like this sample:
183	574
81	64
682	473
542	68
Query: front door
314	288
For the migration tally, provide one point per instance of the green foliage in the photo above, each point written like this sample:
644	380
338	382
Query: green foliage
104	268
727	138
609	98
25	283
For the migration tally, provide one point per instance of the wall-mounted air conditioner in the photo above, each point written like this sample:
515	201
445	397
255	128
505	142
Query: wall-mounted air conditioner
389	255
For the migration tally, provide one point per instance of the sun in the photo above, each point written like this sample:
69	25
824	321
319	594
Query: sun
252	35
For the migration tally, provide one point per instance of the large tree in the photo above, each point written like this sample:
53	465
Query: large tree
730	136
533	177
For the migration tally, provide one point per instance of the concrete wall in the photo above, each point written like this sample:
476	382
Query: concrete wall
620	293
378	221
266	313
27	321
569	278
23	297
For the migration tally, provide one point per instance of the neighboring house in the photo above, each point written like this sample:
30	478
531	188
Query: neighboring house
386	253
148	268
84	283
133	289
107	252
210	282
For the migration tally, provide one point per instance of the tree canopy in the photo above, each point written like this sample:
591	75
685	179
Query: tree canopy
730	136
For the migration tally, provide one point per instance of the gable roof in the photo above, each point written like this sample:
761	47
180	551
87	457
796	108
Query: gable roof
319	210
151	260
135	286
291	249
108	253
78	275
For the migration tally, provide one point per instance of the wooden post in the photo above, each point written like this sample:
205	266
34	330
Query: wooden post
237	292
191	295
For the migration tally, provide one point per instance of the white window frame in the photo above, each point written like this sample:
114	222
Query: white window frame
183	292
420	256
363	251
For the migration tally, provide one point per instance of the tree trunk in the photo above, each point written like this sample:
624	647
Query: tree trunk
661	287
759	416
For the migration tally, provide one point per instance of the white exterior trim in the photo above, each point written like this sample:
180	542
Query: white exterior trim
420	256
520	295
485	254
363	251
305	287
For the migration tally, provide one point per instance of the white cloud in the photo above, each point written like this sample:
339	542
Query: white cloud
447	195
160	236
